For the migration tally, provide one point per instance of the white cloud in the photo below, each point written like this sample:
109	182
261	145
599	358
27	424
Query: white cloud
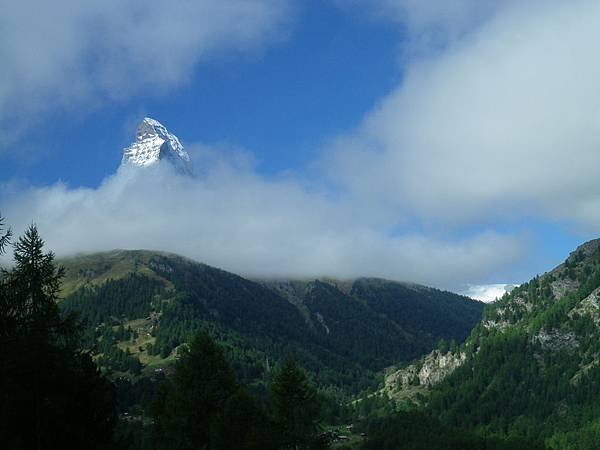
66	54
430	24
488	292
499	123
234	219
504	123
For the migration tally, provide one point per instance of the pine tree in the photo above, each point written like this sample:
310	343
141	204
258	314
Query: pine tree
243	425
187	413
442	345
296	406
4	235
34	284
51	394
453	347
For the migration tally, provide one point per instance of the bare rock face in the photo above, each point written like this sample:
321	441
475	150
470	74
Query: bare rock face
437	366
431	370
589	306
500	325
562	287
153	144
556	340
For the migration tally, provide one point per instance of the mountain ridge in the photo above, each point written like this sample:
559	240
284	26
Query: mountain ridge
332	330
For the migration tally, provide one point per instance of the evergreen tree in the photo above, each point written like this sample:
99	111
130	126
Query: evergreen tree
296	407
243	426
4	236
188	412
453	347
31	291
442	345
51	394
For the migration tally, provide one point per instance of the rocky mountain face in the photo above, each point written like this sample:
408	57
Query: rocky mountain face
531	365
429	371
153	144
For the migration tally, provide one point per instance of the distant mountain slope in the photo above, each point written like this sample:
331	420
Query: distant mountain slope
419	309
419	316
146	304
531	367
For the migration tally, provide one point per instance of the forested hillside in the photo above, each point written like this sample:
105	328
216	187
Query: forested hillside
531	368
141	306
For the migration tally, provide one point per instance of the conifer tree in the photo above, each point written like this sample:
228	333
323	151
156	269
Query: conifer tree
453	347
244	425
442	345
187	413
51	394
4	235
296	407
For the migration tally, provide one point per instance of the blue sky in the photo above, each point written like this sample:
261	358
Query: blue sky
412	140
282	102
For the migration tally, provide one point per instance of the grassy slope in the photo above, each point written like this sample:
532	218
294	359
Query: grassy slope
97	268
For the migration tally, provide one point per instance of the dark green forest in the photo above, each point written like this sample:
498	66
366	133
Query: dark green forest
54	395
174	354
532	370
188	356
344	339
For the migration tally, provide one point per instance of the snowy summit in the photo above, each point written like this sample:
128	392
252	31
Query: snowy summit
154	143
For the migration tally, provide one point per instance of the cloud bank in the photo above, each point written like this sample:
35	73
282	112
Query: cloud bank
504	124
234	219
488	292
499	123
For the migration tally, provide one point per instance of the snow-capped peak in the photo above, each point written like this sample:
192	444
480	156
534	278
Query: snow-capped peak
153	143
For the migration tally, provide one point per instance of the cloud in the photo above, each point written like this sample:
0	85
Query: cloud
67	54
232	218
488	292
430	25
499	122
502	124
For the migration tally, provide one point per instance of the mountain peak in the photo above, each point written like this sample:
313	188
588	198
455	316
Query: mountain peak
153	143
